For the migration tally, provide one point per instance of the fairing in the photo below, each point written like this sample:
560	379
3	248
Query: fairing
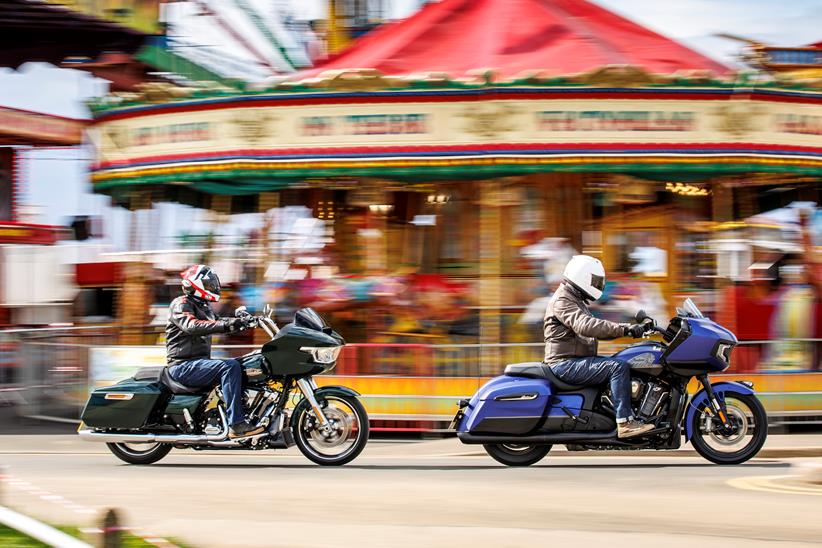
696	350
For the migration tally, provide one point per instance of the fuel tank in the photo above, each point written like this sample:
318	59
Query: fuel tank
645	357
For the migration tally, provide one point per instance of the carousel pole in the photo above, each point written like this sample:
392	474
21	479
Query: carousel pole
135	296
490	290
266	202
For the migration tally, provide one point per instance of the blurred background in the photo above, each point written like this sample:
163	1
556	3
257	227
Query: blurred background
417	172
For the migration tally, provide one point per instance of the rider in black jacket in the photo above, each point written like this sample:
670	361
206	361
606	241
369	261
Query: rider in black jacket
191	322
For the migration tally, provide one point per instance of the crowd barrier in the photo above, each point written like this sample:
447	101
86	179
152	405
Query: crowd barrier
405	387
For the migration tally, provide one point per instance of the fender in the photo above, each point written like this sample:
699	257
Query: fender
702	396
336	391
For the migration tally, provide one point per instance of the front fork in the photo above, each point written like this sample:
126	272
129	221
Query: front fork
308	386
714	405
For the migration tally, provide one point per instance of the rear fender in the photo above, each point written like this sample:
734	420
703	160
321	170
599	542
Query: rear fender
701	397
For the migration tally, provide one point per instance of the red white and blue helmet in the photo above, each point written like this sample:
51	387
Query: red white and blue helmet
201	282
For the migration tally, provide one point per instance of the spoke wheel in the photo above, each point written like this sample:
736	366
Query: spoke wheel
749	429
139	453
514	454
342	441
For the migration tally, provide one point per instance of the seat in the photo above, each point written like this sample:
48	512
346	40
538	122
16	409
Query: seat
176	387
539	370
148	374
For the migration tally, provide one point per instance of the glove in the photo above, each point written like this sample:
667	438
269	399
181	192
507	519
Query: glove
636	330
235	325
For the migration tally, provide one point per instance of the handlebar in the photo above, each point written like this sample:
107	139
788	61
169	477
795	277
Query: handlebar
269	325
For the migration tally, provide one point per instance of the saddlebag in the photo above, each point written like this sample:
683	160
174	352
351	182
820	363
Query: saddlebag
507	405
125	405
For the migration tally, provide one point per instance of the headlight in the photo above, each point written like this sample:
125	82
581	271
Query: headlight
325	354
723	352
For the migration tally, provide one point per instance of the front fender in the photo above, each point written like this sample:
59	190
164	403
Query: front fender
702	396
336	391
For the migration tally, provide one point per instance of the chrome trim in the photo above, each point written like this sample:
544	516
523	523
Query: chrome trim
187	439
517	397
308	391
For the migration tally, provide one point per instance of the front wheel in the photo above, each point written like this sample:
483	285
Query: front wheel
139	453
342	441
749	428
512	454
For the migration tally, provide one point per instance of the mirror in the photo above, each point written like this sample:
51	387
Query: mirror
641	316
240	311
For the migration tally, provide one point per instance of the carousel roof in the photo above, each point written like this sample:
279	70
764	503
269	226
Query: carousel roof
512	37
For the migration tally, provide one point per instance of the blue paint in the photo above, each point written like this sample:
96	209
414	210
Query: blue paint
484	405
642	348
699	346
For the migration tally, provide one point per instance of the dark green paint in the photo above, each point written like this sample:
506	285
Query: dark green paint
102	413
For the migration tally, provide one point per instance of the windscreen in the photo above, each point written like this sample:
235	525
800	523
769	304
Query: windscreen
690	307
306	317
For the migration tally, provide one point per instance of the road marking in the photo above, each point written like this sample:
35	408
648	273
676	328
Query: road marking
23	485
775	484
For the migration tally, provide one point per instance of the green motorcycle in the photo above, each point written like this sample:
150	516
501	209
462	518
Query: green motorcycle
142	418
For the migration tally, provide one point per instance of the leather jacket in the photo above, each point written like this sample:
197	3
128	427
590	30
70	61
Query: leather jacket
191	323
569	328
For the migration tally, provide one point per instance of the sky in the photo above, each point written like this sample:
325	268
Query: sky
57	180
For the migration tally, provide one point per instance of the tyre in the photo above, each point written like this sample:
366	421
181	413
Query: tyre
747	436
511	454
343	441
139	453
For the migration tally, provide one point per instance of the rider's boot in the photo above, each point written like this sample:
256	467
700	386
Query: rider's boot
632	427
244	429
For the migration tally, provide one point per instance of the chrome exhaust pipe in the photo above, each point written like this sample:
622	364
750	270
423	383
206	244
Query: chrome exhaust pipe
186	439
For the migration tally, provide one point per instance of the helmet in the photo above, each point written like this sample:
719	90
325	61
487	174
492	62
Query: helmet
201	282
586	274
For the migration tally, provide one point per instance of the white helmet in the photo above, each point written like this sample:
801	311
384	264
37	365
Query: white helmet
586	274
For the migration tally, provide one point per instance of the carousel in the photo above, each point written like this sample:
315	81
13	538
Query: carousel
448	143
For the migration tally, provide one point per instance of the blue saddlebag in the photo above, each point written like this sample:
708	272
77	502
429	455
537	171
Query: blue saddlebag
507	405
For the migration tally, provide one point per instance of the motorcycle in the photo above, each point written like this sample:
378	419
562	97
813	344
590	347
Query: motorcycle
142	418
518	416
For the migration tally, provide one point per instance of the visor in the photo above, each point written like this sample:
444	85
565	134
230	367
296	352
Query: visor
211	283
598	282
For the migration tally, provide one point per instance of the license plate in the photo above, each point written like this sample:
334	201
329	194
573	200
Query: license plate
456	420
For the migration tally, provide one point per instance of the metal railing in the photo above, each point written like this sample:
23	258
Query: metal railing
48	372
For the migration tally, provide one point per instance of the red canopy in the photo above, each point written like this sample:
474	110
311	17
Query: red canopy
514	36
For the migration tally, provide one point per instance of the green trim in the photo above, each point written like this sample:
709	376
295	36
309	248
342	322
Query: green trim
252	181
165	60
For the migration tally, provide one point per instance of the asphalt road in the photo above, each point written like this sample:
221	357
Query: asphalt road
417	494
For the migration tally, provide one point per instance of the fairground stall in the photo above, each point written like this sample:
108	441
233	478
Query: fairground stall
457	157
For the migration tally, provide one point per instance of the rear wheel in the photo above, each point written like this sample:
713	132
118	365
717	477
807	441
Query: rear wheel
139	453
512	454
749	429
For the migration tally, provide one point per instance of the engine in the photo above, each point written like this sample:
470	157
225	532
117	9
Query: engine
260	403
648	397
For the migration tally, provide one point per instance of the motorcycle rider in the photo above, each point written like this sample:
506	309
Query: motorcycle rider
571	334
191	322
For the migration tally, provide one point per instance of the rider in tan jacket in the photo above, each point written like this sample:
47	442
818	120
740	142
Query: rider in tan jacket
571	335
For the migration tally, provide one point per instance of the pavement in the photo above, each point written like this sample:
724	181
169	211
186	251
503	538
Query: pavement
430	493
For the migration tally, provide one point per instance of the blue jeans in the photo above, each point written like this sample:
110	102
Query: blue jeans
594	371
203	373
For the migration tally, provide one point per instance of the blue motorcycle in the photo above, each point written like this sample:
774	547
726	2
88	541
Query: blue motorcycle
519	416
